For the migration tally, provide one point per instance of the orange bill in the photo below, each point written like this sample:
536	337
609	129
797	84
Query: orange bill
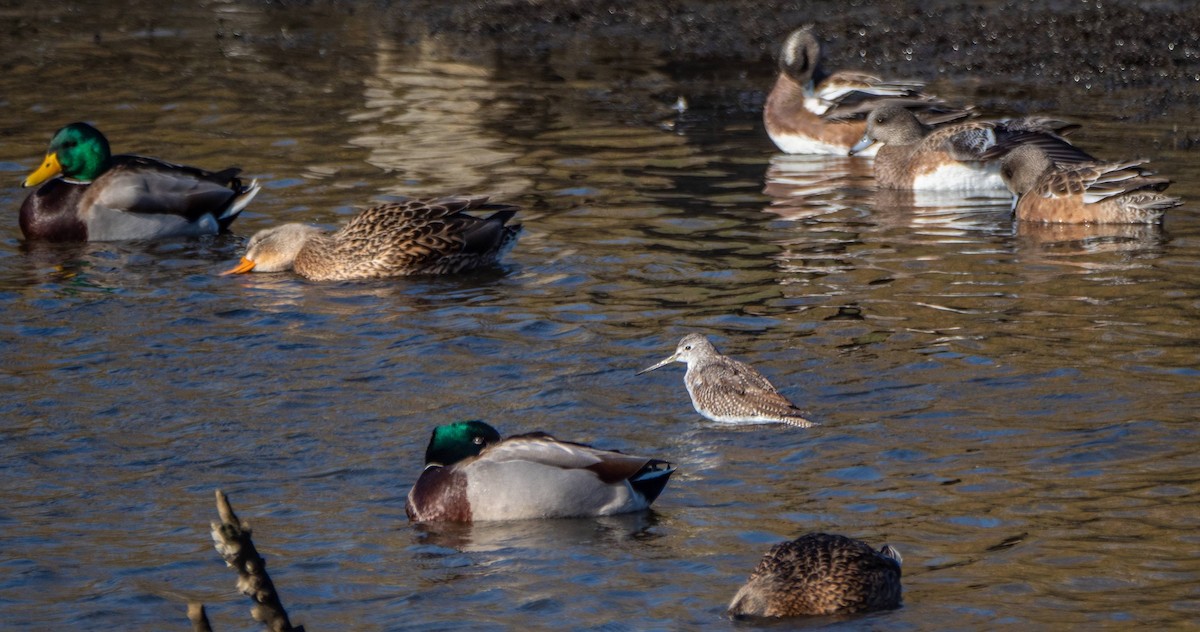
48	170
245	266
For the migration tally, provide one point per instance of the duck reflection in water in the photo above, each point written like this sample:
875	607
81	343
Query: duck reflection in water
535	535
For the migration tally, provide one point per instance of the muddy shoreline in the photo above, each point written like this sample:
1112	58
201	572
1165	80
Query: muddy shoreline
1107	45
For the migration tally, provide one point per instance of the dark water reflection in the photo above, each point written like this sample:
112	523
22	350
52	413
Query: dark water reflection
1011	406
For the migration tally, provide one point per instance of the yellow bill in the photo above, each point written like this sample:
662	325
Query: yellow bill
48	170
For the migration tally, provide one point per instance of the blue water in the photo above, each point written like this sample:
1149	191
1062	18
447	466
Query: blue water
1010	406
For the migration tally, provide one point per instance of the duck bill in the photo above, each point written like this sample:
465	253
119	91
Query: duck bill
245	266
49	169
862	145
657	366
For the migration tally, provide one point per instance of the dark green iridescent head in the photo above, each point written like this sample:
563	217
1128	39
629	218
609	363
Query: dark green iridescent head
79	151
457	441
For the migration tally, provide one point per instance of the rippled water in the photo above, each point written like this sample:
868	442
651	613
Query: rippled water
1010	406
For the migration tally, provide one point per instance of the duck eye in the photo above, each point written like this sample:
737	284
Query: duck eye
477	440
687	348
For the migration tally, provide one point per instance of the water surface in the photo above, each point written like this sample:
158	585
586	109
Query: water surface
1011	406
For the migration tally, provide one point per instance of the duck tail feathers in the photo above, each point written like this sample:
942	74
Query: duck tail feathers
239	202
652	479
503	215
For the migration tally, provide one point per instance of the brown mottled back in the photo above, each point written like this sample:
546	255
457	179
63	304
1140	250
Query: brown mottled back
820	574
412	237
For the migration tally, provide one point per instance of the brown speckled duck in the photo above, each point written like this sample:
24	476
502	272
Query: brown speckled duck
1089	193
400	239
820	574
101	197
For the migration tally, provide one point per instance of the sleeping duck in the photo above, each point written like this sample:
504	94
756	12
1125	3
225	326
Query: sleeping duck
471	474
101	197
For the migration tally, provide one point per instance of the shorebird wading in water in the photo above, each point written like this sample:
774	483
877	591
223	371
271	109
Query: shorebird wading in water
729	391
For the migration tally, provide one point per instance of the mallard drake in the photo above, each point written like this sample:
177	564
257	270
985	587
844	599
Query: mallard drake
955	156
1088	193
729	391
400	239
819	574
101	197
471	474
812	111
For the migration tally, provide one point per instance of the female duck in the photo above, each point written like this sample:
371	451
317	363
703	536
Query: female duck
101	197
953	157
405	238
1088	193
471	474
818	574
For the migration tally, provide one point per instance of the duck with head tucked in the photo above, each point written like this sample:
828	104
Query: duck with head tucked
812	111
473	475
820	574
399	239
1087	193
953	157
102	197
728	391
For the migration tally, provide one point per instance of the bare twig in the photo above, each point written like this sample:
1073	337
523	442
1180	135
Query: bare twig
232	540
198	617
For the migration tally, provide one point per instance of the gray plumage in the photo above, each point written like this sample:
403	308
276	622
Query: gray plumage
729	391
820	574
473	475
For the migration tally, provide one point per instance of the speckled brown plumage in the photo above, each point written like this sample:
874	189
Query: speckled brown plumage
726	390
400	239
820	574
1089	193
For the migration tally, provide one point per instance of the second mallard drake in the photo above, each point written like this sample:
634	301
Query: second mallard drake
101	197
400	239
471	475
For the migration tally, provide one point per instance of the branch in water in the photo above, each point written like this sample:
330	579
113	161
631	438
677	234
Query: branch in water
232	539
198	617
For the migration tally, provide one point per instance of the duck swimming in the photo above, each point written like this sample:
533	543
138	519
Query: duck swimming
101	197
472	475
955	156
1086	193
820	574
399	239
813	111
